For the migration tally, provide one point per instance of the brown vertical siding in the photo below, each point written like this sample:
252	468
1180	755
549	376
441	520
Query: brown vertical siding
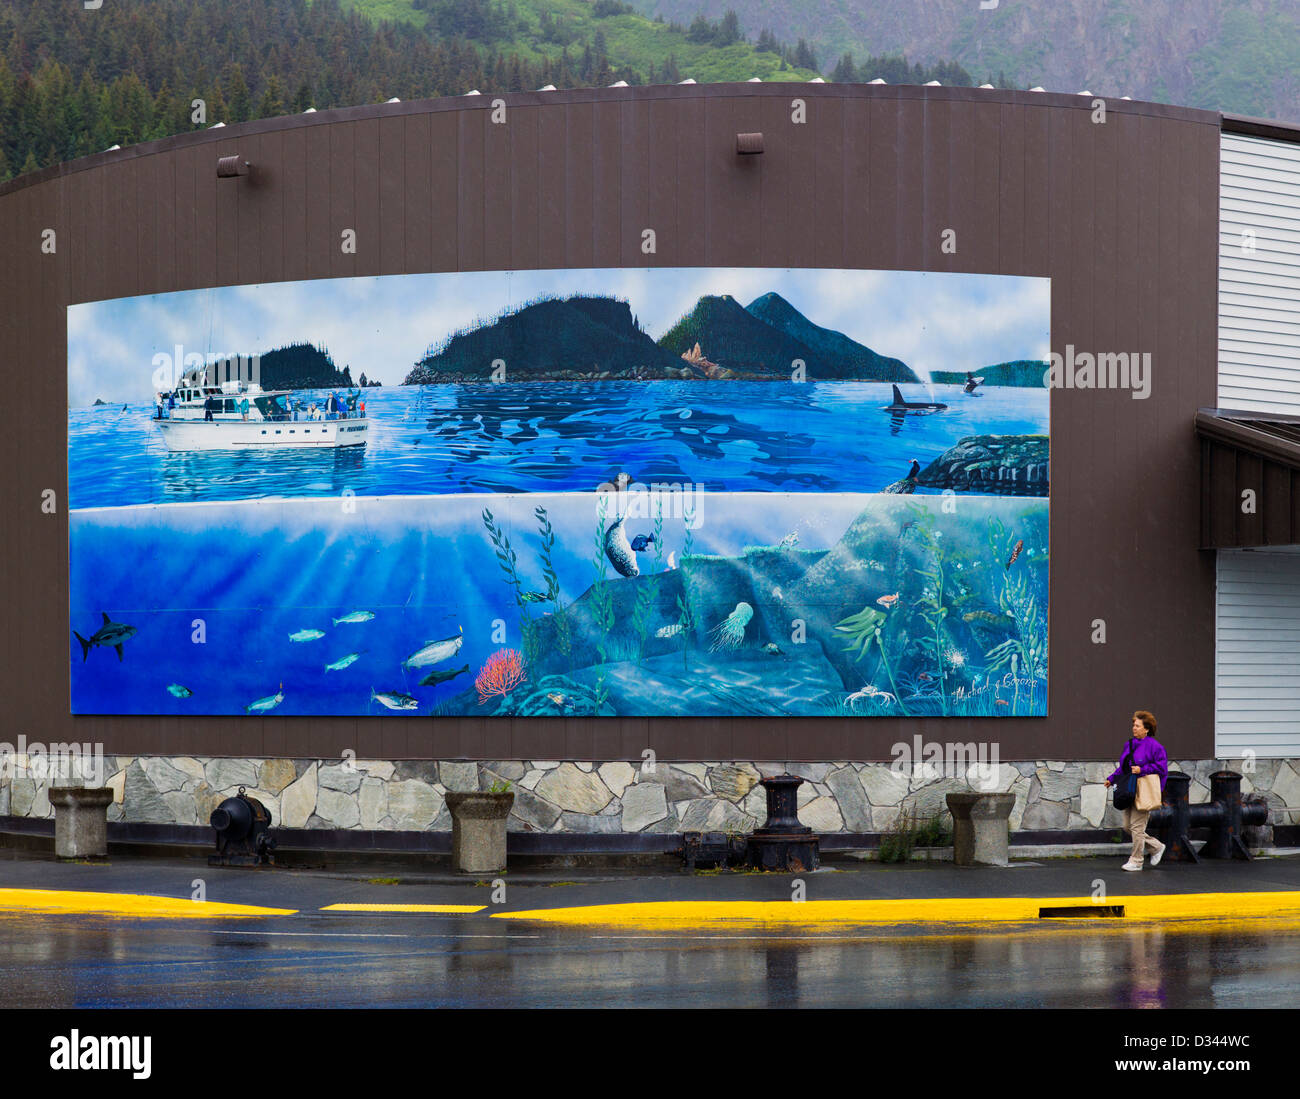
1122	217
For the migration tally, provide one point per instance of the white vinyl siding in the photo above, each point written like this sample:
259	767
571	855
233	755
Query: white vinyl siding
1257	655
1259	294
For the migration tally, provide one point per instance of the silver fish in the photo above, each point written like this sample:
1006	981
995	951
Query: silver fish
434	652
343	662
177	691
355	616
394	700
306	635
270	702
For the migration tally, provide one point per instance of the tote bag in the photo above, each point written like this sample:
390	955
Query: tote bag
1148	793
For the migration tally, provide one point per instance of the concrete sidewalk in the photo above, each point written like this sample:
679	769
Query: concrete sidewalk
866	893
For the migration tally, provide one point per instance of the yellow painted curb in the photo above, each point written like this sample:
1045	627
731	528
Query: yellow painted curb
126	904
404	908
948	910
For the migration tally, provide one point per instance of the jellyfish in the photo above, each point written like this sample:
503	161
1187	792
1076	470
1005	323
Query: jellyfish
730	633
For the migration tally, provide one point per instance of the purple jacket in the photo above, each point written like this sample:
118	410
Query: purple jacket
1149	754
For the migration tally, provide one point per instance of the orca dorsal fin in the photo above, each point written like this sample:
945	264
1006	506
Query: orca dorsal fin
898	397
107	620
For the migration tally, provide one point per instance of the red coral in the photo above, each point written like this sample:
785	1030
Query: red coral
502	673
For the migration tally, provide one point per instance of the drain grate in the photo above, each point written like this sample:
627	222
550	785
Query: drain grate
1082	911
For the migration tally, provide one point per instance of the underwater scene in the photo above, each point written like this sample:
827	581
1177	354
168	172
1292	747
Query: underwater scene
564	494
746	604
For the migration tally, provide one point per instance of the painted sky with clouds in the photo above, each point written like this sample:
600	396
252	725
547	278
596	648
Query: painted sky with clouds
380	326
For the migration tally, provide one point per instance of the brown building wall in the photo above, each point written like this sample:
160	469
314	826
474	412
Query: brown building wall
1121	215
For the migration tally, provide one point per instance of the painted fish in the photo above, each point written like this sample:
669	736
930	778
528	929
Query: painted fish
1016	553
270	702
534	597
789	541
888	600
343	662
987	618
394	700
641	541
669	631
435	652
307	635
561	700
355	616
772	649
110	635
1001	702
177	691
441	676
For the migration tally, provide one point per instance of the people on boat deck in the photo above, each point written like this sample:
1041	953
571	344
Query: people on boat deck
208	405
352	402
243	408
157	406
171	404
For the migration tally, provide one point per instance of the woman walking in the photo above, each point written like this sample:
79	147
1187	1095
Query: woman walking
1143	755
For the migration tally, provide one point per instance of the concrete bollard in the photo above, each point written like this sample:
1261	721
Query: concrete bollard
81	821
980	833
478	830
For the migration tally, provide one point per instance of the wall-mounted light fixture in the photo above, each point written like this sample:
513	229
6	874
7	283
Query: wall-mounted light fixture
229	167
749	144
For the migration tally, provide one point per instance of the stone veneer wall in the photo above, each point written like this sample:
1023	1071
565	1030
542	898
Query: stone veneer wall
615	797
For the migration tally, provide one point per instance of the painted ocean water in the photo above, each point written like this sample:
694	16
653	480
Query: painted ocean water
726	436
758	603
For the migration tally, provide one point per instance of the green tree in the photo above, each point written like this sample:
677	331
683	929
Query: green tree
239	104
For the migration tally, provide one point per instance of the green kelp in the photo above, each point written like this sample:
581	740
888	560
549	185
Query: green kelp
1027	648
602	603
931	600
508	561
863	629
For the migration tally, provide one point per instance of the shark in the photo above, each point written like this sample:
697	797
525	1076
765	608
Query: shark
109	636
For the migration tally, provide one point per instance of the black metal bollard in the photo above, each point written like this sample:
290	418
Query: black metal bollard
1235	813
783	843
241	824
1225	815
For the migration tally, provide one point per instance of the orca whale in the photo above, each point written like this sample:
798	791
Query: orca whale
900	404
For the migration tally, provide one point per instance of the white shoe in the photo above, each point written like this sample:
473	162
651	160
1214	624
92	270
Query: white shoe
1131	865
1155	859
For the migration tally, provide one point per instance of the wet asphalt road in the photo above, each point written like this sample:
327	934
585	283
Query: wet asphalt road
362	961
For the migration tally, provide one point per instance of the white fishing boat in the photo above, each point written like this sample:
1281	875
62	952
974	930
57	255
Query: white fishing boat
239	415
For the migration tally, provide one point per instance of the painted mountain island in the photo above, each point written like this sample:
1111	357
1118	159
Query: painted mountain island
665	492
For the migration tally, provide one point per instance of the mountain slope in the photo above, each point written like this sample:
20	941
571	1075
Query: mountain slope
584	335
852	358
1232	55
739	340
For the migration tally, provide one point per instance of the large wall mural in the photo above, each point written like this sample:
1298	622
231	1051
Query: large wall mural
677	492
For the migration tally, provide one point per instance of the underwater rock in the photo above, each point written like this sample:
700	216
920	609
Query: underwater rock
1002	465
739	681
